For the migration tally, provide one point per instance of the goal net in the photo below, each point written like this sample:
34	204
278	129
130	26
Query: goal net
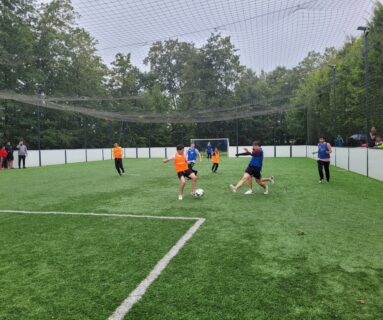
221	143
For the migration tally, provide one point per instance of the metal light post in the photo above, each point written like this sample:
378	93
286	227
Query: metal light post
366	82
42	103
333	67
236	127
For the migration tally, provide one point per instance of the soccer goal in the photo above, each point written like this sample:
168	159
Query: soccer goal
221	143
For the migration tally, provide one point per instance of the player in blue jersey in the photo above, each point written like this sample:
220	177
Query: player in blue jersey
209	150
192	155
253	170
324	150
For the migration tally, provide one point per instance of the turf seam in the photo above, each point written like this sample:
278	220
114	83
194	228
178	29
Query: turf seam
123	309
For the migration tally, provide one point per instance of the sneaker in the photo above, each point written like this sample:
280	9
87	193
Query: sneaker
272	181
249	192
233	189
180	197
266	190
320	181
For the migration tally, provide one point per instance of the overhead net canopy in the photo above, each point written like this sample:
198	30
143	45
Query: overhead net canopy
248	110
212	68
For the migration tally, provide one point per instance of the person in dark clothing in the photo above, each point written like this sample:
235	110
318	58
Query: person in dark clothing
10	157
372	137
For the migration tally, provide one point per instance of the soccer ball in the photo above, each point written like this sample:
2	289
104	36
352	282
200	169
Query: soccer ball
199	193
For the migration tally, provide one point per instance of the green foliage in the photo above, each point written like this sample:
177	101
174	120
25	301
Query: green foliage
43	50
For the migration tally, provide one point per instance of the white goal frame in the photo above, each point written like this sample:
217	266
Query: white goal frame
213	139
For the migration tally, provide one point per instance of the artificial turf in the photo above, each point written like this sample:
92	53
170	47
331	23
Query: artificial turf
305	251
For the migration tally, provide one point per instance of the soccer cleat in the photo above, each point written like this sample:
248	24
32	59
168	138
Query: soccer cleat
249	192
180	197
272	180
266	190
233	189
321	181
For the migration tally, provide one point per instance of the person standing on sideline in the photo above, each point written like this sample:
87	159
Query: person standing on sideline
324	150
10	157
371	137
209	150
339	141
22	153
3	158
118	155
214	168
192	157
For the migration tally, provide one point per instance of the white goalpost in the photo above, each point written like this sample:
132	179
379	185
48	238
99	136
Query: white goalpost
221	143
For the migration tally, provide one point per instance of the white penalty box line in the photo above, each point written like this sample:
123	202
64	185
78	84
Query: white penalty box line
143	286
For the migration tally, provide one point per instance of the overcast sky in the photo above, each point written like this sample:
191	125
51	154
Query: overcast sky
267	33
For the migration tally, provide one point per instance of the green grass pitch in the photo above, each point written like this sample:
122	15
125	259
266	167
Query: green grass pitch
247	261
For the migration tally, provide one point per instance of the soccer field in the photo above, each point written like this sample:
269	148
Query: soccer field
305	251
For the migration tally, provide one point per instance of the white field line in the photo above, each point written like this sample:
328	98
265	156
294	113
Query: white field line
137	293
140	290
99	214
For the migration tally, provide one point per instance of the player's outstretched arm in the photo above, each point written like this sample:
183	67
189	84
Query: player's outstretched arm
243	154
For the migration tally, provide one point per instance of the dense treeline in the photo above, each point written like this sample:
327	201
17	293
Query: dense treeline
43	50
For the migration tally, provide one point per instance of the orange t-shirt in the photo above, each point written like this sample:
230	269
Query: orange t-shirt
216	157
117	152
180	162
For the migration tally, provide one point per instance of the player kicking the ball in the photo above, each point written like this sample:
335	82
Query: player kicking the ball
181	165
253	170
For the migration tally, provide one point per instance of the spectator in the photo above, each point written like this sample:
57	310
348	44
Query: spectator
10	158
378	142
339	141
22	154
371	137
3	158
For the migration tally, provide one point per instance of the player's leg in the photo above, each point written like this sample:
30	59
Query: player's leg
121	165
193	178
117	166
320	170
258	179
244	179
268	179
326	165
182	187
216	167
191	166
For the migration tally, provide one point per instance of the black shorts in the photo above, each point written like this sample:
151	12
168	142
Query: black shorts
10	157
254	171
185	173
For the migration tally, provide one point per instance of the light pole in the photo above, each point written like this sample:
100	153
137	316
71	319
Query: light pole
366	82
333	67
42	103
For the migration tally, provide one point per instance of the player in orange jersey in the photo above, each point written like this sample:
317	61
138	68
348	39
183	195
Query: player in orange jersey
182	170
118	155
216	155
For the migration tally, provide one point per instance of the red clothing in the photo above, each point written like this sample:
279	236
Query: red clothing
3	153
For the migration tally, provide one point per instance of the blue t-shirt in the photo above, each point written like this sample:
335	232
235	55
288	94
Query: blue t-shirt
192	154
322	151
257	159
209	149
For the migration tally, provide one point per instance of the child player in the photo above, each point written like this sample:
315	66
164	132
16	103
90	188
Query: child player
117	155
253	170
192	157
214	168
181	166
